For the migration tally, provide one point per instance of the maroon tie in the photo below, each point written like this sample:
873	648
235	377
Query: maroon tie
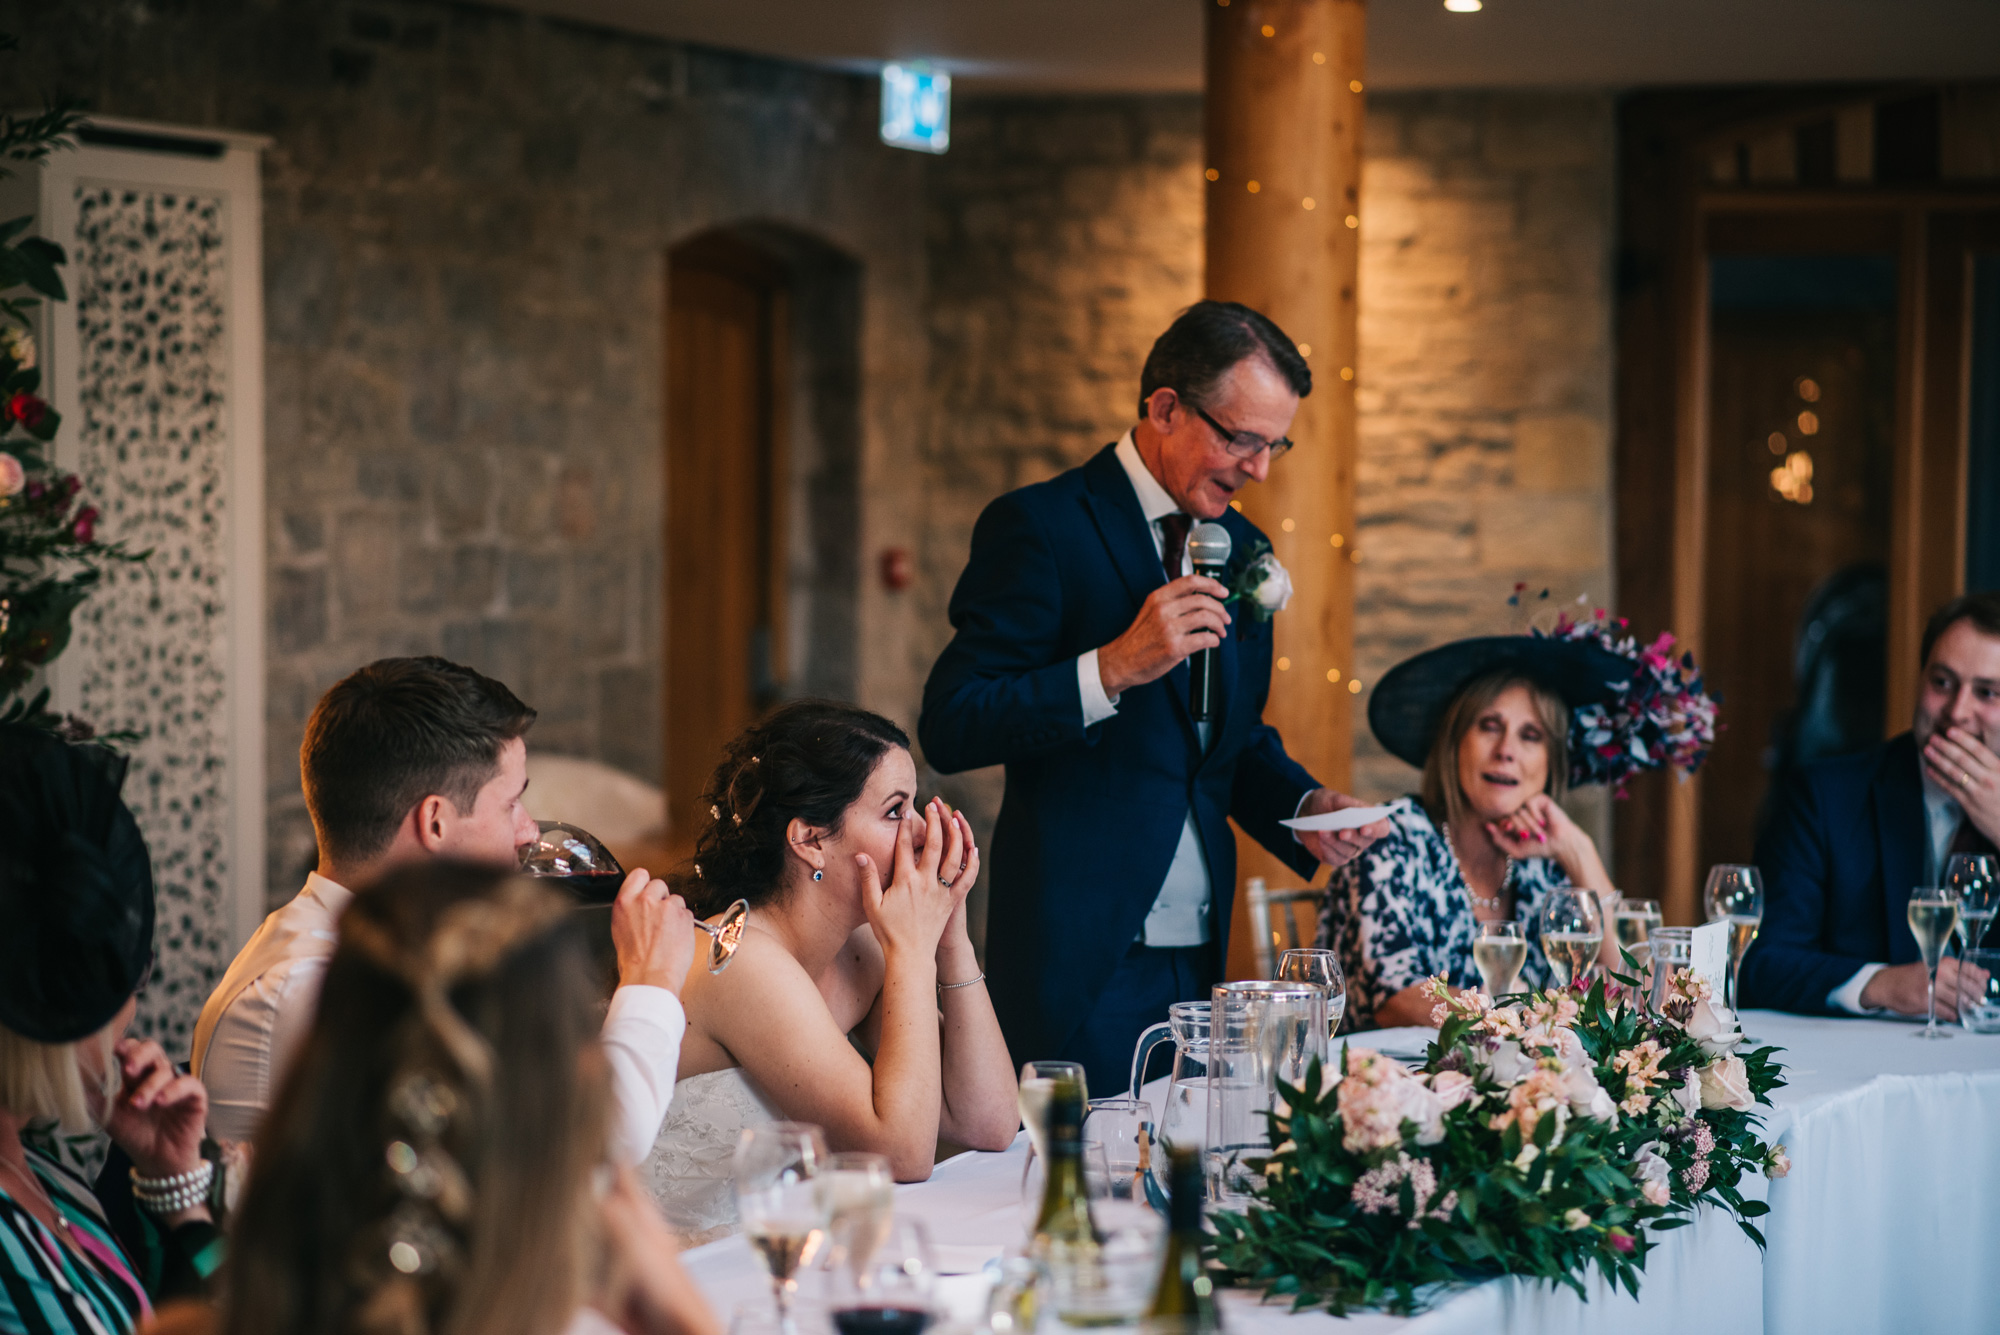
1173	541
1970	840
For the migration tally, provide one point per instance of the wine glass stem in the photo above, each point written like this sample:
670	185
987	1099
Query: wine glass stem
1930	1000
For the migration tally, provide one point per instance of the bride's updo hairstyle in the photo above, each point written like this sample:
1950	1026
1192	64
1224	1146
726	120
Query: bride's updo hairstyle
808	761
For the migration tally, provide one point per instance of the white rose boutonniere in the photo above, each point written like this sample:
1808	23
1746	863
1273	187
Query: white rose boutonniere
1262	585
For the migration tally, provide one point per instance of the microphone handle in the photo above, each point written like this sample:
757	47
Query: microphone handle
1204	676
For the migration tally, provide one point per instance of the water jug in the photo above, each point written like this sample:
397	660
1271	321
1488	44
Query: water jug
1259	1033
1183	1108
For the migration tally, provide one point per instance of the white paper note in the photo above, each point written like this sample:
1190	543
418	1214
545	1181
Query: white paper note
1710	956
1347	818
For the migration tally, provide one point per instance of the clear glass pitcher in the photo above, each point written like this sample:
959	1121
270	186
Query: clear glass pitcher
1259	1033
1183	1109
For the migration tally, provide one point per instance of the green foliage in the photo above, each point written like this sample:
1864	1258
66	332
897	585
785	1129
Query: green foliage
1551	1202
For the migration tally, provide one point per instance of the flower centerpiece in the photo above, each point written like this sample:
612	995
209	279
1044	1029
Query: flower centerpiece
50	553
1542	1137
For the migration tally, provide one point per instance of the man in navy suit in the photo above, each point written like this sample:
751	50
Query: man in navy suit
1856	833
1114	869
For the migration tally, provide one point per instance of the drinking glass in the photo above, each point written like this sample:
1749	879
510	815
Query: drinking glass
1974	878
587	869
891	1292
1572	932
1322	967
1979	991
782	1207
1038	1084
1634	921
1673	950
1108	1285
1735	894
1259	1033
860	1199
1933	913
1097	1179
1499	953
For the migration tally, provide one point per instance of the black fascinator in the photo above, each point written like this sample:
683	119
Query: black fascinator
76	888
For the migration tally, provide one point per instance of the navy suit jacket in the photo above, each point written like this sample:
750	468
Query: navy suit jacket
1839	859
1091	817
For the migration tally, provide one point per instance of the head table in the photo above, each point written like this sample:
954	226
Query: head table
1890	1219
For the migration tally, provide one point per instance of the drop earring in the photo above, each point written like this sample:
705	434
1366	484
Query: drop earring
819	876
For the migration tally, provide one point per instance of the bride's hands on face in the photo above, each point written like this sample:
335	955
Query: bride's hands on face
911	913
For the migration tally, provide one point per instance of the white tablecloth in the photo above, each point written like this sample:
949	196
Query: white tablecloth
1889	1219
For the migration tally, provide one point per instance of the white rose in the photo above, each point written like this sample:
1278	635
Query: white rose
1586	1097
1725	1083
1505	1063
1687	1095
1419	1104
1452	1088
1649	1166
1713	1025
1274	589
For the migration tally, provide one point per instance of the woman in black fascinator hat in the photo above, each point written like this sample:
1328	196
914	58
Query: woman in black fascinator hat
76	942
1502	726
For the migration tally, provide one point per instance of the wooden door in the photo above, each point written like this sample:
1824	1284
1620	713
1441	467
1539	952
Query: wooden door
725	304
1802	397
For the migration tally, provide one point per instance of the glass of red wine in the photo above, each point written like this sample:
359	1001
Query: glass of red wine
890	1292
586	868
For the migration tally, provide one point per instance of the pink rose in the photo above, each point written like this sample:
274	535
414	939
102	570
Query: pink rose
1452	1088
1725	1083
13	477
1656	1192
1776	1162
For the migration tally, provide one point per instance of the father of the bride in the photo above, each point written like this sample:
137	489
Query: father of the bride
1114	869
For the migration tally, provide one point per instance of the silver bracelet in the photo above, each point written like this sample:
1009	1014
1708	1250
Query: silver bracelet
171	1195
947	987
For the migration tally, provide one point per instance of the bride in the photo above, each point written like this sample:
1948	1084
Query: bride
854	1001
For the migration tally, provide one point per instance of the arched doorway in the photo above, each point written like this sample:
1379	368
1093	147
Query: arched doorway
762	385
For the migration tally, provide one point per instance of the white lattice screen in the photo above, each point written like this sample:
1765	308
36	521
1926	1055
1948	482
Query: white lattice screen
156	363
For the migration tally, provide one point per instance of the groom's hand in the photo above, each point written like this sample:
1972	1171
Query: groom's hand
1334	847
1177	620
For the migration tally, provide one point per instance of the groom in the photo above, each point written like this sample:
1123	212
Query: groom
1114	869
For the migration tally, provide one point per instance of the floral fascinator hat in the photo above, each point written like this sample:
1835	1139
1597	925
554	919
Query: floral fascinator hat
1632	707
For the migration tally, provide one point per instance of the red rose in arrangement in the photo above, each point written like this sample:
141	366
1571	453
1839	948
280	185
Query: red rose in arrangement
84	527
26	409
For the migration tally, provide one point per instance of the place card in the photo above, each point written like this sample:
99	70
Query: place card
1709	956
1347	818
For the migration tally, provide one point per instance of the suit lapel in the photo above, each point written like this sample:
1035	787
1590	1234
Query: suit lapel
1114	508
1900	831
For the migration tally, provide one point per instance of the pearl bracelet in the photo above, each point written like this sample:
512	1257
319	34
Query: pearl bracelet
171	1195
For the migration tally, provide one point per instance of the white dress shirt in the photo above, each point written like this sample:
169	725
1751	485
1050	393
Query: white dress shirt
254	1023
1942	815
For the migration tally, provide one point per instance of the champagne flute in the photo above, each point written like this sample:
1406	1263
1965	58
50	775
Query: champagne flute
1322	967
1499	952
782	1207
1735	894
1933	914
890	1293
1572	932
860	1200
1974	880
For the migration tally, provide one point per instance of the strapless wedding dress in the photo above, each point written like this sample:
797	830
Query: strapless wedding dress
688	1171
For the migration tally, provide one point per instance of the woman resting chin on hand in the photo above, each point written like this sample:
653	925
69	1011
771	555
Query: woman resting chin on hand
854	1001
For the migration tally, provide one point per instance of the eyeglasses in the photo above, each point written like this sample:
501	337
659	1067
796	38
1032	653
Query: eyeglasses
1242	444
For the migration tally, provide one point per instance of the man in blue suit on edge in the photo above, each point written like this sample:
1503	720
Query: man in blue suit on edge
1114	869
1856	833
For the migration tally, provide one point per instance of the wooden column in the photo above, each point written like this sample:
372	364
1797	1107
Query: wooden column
1284	102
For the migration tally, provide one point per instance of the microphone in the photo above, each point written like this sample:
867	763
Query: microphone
1208	551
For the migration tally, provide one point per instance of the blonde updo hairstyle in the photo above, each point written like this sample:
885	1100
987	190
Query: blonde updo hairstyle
1442	794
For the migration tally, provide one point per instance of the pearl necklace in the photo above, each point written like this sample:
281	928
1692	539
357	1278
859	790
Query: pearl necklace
1495	903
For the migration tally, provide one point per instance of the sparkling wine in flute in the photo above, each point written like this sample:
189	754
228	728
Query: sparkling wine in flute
1570	953
1742	931
783	1246
861	1218
1931	922
1499	960
1634	927
1035	1094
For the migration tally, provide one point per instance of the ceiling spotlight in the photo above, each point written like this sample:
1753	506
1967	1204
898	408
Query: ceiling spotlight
1463	6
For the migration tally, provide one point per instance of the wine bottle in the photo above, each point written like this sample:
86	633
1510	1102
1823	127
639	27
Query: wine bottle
1064	1226
1183	1300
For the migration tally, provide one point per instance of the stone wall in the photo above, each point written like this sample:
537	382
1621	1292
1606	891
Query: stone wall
466	216
1487	233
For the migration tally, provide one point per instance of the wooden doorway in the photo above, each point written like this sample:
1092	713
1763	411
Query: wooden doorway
727	323
1790	259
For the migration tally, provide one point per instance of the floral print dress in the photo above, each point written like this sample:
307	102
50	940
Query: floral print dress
1401	912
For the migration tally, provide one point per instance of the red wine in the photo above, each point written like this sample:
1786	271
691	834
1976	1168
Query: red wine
881	1320
593	888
